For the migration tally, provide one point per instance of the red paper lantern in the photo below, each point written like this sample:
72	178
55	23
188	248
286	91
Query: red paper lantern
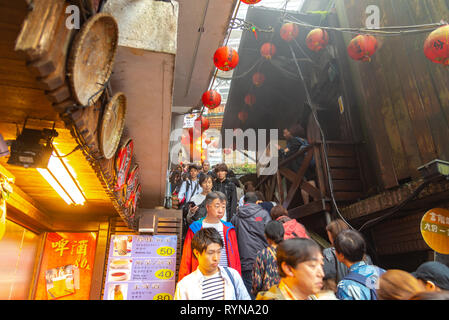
250	1
227	151
211	99
362	47
207	141
203	122
268	50
317	39
226	58
243	116
436	46
258	79
250	99
289	31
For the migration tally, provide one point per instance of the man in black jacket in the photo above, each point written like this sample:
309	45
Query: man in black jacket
249	223
226	186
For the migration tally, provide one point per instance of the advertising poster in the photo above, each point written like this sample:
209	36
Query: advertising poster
66	268
141	267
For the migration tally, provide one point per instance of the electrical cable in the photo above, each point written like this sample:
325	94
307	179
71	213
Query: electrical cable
78	147
400	205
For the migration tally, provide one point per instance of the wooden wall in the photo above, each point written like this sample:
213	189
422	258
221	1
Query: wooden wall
402	97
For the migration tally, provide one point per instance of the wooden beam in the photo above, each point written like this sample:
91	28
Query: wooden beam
288	174
22	209
309	209
298	179
310	189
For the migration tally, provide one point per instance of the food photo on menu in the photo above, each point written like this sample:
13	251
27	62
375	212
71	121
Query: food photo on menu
122	246
120	269
118	291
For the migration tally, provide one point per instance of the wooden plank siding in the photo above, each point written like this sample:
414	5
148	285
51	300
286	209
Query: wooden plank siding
402	97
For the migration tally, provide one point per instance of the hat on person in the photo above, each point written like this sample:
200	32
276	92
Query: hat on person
434	271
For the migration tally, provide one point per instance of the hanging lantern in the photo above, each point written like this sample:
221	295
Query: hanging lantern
258	79
211	99
436	46
268	50
227	151
250	99
250	1
243	116
203	122
207	141
226	58
289	31
362	47
317	39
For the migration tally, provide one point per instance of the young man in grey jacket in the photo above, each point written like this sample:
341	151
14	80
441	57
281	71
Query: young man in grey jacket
249	223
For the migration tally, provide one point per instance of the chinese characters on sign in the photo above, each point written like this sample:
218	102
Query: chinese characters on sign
66	268
435	230
141	267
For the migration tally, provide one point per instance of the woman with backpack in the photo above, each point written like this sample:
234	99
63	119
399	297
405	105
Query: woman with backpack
292	228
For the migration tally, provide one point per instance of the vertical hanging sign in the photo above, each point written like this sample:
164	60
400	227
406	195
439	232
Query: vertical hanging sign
141	267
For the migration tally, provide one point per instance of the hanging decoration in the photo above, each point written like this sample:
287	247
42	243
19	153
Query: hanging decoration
436	46
123	163
243	116
226	58
250	99
362	47
268	50
131	183
227	151
258	79
211	99
207	141
289	31
202	122
317	39
250	1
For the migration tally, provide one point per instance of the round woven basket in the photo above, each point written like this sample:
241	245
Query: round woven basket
92	58
112	125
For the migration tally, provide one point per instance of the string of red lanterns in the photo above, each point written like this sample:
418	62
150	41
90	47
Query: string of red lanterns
268	50
436	46
361	48
317	39
211	99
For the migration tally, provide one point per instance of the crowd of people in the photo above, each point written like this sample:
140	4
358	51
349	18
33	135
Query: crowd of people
241	247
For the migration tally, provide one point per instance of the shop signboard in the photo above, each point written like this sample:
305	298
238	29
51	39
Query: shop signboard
189	120
435	230
66	267
141	267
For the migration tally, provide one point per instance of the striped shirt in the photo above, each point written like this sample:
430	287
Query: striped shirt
219	227
213	287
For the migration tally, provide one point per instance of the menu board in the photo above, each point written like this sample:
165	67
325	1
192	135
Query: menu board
141	267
